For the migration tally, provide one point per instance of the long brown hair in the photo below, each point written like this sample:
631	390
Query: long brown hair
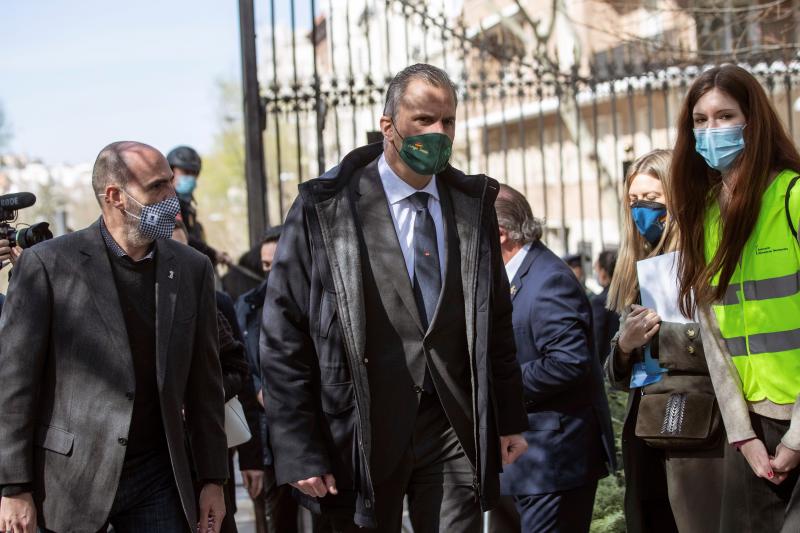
634	247
767	147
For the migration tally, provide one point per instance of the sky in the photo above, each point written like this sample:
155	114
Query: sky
77	75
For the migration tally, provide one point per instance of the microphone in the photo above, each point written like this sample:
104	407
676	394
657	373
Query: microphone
17	200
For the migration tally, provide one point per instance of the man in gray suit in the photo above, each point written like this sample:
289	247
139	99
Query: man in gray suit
109	367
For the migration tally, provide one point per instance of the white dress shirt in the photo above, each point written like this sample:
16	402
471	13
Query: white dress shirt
404	214
513	266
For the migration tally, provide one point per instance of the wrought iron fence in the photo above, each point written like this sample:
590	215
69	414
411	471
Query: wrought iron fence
563	135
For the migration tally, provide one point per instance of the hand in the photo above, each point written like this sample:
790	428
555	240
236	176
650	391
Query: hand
18	513
785	460
212	508
639	327
224	259
7	253
317	487
511	447
253	481
756	454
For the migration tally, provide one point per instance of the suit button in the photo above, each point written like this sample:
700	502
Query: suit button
123	441
129	396
417	389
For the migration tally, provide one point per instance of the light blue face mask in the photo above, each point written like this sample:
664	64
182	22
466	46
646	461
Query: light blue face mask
185	184
719	146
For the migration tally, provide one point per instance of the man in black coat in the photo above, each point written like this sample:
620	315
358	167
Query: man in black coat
387	350
109	364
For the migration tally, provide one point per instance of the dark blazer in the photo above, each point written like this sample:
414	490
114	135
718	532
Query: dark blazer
68	378
569	432
313	362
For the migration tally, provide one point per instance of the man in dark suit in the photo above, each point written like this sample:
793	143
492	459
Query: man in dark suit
570	440
109	366
387	351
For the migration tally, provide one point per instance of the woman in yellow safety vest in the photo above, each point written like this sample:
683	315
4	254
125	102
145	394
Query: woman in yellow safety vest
672	483
732	176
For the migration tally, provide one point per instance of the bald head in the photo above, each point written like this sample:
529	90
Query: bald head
123	161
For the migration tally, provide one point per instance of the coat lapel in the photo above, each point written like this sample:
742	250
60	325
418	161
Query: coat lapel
167	279
467	215
519	277
380	236
99	279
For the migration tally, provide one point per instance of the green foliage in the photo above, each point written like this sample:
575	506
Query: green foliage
221	193
608	515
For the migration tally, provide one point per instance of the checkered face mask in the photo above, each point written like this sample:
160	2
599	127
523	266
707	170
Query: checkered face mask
156	221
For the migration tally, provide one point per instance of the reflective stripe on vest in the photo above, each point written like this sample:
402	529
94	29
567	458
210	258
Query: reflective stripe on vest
759	316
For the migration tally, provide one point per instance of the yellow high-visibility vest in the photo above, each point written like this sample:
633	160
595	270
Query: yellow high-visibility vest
759	317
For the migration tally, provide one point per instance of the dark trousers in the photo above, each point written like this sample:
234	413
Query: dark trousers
147	498
275	509
567	511
435	475
754	505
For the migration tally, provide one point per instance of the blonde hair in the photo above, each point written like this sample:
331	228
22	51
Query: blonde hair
624	288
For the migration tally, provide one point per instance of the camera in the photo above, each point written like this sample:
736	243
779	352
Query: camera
26	236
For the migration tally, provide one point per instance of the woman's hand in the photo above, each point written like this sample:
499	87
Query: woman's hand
759	460
785	460
639	327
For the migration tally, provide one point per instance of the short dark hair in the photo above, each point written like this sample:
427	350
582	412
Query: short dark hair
272	234
421	71
110	168
607	260
514	214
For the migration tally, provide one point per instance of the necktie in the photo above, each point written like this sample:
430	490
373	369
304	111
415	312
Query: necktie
427	275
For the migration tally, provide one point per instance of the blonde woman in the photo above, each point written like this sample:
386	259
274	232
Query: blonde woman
672	443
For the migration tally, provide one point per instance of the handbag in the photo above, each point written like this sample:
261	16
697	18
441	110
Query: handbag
679	412
236	428
679	420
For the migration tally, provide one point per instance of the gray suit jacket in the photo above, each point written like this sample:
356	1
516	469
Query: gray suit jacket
67	377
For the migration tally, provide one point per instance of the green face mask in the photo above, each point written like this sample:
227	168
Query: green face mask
425	154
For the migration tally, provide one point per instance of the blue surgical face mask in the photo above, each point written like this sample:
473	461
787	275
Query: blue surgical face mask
649	219
185	184
719	146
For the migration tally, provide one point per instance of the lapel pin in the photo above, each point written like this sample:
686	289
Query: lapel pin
171	274
513	290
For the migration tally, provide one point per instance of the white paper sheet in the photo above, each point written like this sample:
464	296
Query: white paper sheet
658	283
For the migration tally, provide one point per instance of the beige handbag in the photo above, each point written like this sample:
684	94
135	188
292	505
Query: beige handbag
236	428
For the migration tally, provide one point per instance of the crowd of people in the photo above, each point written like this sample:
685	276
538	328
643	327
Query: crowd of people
407	341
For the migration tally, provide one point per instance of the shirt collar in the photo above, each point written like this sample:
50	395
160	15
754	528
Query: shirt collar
513	266
115	248
398	190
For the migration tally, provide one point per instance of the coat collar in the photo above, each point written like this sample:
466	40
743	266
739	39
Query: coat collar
335	180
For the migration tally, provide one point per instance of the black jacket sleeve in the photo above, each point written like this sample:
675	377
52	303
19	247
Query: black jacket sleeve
24	331
506	379
289	361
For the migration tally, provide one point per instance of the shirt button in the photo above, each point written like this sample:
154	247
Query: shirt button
123	441
690	349
417	389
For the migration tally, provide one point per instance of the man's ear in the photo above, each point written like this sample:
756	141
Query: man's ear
113	196
503	235
386	128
